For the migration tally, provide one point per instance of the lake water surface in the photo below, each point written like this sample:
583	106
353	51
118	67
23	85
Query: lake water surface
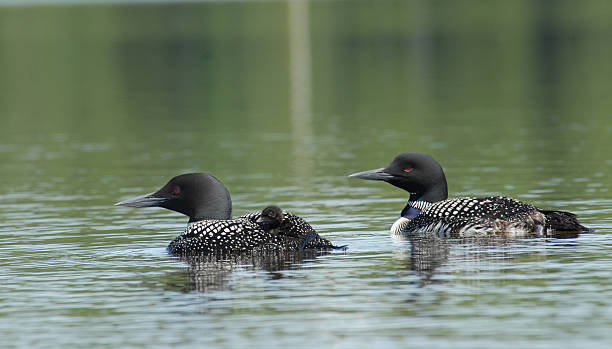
281	101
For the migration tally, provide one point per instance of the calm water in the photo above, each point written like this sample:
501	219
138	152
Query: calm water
281	101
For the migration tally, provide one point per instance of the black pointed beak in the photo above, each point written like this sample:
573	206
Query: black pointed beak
378	174
148	200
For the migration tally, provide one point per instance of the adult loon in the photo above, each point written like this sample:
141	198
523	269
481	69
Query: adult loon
211	229
430	211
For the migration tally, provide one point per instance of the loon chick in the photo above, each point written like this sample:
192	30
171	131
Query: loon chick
276	222
211	229
270	219
430	211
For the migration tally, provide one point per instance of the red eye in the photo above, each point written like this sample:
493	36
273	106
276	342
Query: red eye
175	191
408	169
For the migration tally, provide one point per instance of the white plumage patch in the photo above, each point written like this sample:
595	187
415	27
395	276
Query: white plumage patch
399	225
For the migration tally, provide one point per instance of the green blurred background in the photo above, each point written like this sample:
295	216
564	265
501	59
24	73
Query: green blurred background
501	81
108	72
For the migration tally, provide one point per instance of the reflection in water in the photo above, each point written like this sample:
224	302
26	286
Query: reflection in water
211	272
428	254
301	86
300	60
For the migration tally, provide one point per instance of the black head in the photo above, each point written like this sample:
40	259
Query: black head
417	173
271	217
197	195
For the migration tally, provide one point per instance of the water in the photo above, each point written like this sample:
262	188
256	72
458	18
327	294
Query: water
281	101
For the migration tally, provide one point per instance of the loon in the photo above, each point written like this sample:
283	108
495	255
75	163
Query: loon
211	229
430	211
